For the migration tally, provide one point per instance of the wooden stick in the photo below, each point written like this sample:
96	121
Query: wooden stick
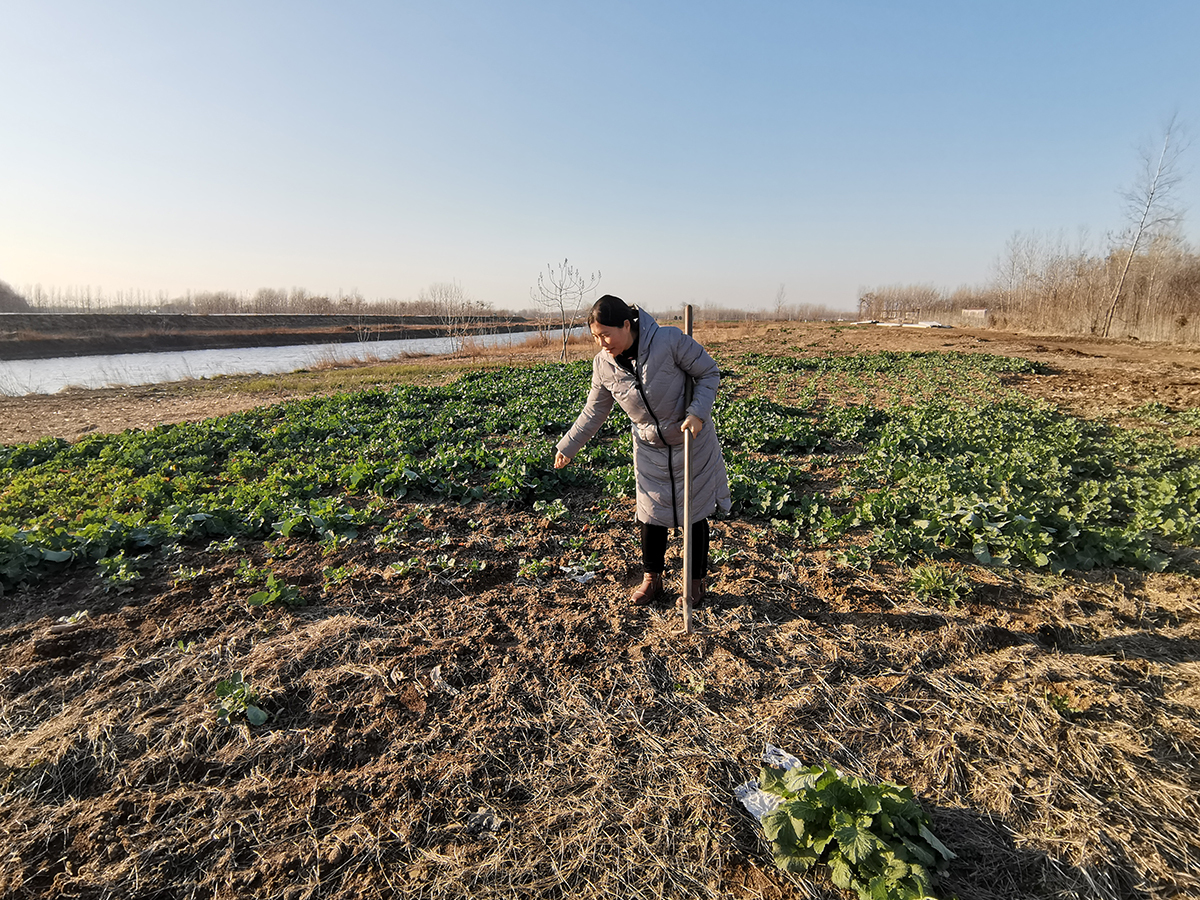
687	500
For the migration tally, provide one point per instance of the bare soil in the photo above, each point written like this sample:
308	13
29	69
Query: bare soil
502	731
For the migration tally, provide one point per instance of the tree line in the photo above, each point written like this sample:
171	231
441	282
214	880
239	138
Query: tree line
1142	282
561	294
1042	284
265	301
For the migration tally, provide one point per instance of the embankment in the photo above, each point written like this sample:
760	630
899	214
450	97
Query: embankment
46	335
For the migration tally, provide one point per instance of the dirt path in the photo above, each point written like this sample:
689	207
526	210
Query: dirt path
73	414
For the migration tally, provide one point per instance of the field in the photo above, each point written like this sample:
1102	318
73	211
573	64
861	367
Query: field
369	643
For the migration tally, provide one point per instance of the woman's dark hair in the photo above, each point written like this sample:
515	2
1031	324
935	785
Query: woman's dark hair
612	312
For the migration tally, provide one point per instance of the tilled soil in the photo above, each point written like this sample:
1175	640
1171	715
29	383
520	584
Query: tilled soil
467	705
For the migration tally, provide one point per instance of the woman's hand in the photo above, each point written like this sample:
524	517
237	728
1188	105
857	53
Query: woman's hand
560	460
694	424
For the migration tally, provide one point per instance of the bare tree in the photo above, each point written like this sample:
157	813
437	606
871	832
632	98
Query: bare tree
269	300
561	293
901	302
216	302
1013	270
1150	205
780	303
458	314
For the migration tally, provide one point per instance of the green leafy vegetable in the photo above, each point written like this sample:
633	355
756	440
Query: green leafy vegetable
236	698
874	838
925	455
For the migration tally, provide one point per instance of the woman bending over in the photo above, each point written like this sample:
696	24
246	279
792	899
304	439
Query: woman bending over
646	368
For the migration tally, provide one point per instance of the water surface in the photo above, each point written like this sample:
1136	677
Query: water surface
48	376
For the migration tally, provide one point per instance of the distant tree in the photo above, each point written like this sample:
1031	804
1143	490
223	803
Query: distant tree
11	301
900	302
781	303
561	292
216	302
1150	206
269	300
300	301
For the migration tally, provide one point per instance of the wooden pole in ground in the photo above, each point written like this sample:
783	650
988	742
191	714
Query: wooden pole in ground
687	499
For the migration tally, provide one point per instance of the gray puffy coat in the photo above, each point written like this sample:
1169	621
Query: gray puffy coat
666	356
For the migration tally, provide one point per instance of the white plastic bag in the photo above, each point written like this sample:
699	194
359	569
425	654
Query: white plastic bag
757	801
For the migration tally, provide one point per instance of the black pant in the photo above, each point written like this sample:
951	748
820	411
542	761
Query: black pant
654	548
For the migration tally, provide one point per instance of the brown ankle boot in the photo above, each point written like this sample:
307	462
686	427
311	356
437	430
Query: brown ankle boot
698	594
648	591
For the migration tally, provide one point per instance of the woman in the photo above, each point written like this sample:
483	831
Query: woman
645	368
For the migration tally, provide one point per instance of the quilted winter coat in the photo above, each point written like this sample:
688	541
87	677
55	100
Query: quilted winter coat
666	357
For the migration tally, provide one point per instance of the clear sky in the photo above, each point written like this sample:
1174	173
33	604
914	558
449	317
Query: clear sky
691	151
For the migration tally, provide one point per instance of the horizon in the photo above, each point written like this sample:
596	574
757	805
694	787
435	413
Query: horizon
688	153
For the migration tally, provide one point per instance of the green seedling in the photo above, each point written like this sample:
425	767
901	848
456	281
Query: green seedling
331	542
184	574
933	582
229	545
249	573
276	591
119	571
554	510
281	549
534	569
853	558
1063	706
407	566
332	576
236	698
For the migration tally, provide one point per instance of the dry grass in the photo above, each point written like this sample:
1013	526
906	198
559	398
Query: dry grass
1050	729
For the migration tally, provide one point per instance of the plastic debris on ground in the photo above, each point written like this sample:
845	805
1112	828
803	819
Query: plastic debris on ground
757	801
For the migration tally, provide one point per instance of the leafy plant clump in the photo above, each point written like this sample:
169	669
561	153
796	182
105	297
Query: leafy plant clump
236	698
875	838
276	591
119	571
933	582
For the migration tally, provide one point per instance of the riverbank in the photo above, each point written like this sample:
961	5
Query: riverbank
75	413
47	336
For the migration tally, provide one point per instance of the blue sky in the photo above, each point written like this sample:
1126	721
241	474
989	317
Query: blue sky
695	151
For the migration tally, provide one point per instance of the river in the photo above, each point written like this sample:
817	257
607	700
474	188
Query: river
48	376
